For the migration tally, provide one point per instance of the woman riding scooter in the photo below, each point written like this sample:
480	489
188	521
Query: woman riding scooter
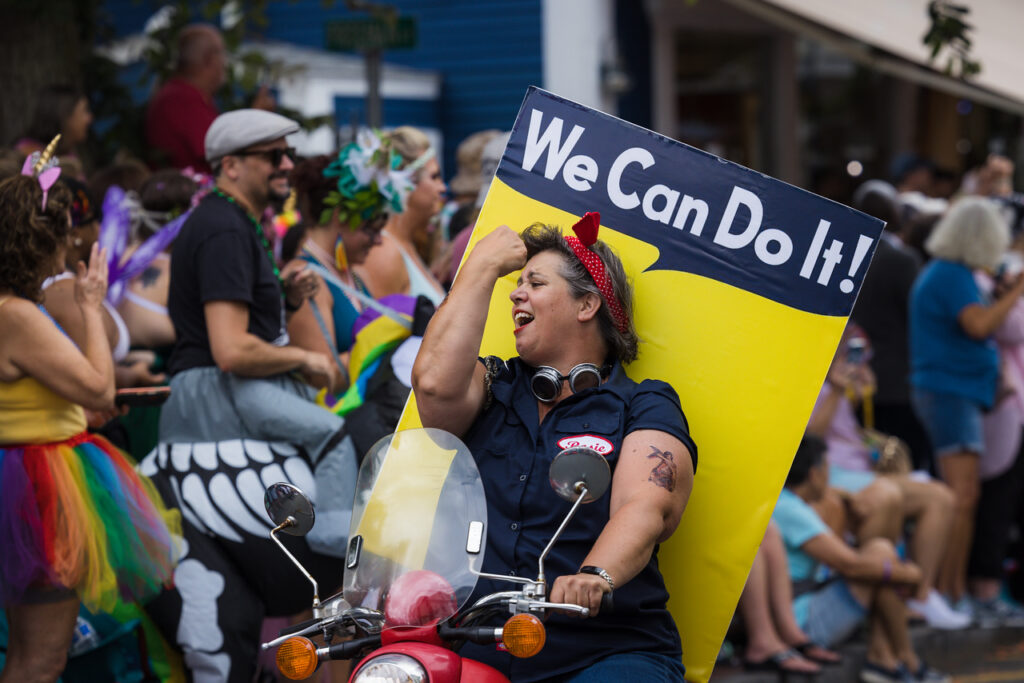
572	312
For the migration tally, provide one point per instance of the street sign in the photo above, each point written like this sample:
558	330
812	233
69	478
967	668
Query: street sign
371	33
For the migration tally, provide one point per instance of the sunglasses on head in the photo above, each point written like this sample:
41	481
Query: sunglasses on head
274	156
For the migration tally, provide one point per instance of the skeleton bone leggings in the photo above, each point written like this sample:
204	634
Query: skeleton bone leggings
231	575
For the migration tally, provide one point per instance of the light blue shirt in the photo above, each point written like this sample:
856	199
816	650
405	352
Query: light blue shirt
798	523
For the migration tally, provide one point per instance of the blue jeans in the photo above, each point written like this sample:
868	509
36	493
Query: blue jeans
832	614
631	667
953	423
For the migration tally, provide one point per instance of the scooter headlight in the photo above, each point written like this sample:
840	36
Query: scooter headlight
391	668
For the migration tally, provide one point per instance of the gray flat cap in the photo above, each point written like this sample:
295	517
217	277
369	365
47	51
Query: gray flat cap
236	130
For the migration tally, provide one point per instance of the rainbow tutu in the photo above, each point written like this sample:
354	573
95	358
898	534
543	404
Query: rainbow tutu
75	514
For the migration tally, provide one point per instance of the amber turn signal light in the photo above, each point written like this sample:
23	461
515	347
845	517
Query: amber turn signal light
523	635
296	658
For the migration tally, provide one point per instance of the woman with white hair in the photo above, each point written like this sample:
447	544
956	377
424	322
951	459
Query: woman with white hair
954	360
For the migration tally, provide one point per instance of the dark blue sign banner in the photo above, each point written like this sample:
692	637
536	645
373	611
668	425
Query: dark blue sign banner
706	215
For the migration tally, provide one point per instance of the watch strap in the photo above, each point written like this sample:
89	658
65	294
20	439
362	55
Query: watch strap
597	571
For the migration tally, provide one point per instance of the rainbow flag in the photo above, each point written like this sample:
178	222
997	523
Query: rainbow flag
376	335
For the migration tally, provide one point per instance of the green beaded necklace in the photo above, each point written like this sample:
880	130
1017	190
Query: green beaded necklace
259	231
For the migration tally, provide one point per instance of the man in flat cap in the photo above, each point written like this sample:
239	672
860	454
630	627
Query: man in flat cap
240	417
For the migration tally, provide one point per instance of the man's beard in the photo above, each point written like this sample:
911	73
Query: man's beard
277	195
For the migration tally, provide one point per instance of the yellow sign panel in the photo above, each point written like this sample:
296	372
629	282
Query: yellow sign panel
743	286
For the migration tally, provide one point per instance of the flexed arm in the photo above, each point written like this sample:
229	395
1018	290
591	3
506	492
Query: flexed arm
447	379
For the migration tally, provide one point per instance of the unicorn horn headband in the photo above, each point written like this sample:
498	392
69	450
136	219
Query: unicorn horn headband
46	155
43	167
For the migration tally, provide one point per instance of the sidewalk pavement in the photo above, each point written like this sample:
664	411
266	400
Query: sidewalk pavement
973	656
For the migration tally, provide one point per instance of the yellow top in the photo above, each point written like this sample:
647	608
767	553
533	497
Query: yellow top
31	413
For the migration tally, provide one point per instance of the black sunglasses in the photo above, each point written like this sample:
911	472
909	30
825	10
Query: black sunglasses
274	156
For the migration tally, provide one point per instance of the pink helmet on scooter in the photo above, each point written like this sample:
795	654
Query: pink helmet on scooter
418	598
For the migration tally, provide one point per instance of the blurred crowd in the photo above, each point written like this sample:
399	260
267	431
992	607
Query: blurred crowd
902	504
282	299
903	500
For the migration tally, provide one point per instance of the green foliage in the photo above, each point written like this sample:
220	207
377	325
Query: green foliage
948	31
248	70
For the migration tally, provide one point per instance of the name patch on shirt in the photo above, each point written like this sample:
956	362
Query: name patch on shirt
601	445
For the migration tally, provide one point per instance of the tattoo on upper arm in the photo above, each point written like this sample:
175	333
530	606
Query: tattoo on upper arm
664	472
149	276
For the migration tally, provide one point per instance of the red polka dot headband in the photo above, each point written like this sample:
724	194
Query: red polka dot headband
586	234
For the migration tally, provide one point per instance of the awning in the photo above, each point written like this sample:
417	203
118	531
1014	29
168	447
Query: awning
886	35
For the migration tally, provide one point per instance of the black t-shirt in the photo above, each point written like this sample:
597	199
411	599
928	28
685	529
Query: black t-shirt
883	310
218	257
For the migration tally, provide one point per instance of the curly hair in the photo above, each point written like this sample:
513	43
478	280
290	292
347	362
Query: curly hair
30	235
623	346
311	187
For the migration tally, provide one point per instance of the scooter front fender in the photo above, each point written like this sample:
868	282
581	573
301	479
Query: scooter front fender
442	665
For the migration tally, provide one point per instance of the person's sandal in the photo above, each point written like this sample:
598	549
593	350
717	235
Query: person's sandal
806	649
777	663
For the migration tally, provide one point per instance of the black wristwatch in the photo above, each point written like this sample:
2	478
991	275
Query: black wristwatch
288	306
597	571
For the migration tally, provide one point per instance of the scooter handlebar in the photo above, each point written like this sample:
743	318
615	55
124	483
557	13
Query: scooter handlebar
350	648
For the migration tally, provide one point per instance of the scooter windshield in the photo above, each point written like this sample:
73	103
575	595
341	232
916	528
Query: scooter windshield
418	528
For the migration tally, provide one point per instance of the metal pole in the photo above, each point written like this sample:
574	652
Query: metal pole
373	105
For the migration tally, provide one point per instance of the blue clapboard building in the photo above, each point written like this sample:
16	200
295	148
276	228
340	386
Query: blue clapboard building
469	68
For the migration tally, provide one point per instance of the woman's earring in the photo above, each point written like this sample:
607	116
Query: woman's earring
78	241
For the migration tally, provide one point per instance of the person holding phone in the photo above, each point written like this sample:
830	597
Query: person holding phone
879	503
77	523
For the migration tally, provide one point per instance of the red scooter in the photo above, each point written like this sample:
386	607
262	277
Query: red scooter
416	545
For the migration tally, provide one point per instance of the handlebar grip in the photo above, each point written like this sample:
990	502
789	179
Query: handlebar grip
607	603
481	635
295	628
351	648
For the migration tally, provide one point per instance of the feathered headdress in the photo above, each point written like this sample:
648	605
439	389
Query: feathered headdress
369	180
121	211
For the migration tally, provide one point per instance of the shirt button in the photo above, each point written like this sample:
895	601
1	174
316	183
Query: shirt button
513	526
522	477
586	425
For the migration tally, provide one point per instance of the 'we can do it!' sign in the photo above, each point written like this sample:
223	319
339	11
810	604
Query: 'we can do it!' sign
743	285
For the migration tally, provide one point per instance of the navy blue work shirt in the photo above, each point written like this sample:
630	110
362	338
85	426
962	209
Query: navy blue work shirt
513	451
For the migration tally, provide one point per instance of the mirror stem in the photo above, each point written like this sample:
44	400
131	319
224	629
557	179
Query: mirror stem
316	588
581	489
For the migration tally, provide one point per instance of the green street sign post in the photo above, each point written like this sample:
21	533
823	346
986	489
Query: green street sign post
363	35
371	35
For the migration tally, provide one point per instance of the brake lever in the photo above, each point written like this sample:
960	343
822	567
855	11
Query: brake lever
561	606
308	630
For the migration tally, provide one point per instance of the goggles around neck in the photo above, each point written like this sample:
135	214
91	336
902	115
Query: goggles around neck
546	383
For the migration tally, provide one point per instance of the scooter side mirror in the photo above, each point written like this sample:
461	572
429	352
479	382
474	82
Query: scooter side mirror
580	469
579	475
291	511
287	503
